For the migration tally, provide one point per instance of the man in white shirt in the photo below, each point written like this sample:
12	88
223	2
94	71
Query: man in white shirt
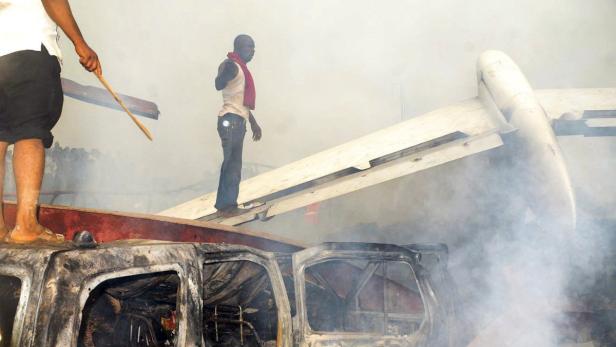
31	99
239	96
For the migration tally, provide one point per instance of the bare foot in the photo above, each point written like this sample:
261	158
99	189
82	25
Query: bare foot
3	232
37	232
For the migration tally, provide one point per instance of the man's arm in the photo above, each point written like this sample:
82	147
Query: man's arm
60	12
226	72
256	129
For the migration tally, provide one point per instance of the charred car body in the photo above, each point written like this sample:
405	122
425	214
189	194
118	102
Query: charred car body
157	293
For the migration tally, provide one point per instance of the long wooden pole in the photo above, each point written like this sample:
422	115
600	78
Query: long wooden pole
130	114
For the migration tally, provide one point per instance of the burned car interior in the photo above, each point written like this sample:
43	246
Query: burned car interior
131	311
239	306
239	309
237	296
380	297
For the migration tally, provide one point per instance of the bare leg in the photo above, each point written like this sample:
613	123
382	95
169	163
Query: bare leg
3	147
28	165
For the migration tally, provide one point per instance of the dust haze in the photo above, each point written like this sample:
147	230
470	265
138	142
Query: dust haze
326	71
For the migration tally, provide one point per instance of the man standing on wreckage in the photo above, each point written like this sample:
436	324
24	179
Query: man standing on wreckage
238	94
31	99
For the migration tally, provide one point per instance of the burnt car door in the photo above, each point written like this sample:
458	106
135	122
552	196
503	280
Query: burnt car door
244	298
126	293
358	294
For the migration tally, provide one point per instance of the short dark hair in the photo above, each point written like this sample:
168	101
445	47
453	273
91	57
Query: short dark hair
239	38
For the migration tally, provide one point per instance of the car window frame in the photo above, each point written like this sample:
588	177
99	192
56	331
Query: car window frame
93	282
319	254
25	276
127	258
269	263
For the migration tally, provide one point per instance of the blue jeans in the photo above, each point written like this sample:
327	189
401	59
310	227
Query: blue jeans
231	129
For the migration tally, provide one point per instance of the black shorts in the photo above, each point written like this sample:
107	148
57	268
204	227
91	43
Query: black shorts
30	96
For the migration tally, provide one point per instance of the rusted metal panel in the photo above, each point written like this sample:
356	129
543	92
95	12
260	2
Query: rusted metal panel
109	226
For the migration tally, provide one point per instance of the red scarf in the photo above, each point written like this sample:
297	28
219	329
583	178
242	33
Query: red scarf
250	93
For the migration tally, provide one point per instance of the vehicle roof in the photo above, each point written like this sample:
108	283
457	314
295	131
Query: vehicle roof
45	248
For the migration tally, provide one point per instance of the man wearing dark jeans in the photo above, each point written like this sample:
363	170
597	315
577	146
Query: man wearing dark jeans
231	129
31	99
239	95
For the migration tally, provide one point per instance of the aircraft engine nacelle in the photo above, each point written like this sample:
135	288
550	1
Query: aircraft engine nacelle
503	88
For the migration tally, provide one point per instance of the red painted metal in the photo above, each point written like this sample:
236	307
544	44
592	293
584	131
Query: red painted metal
109	226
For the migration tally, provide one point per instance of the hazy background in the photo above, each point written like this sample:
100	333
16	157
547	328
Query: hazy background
326	71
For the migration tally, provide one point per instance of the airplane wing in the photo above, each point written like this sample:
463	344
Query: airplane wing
417	144
587	112
506	104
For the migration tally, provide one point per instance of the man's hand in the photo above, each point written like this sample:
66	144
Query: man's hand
256	131
88	58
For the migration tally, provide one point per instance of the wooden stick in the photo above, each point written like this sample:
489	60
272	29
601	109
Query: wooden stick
117	98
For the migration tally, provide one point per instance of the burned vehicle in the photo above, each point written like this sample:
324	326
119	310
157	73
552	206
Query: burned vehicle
158	281
160	293
122	293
